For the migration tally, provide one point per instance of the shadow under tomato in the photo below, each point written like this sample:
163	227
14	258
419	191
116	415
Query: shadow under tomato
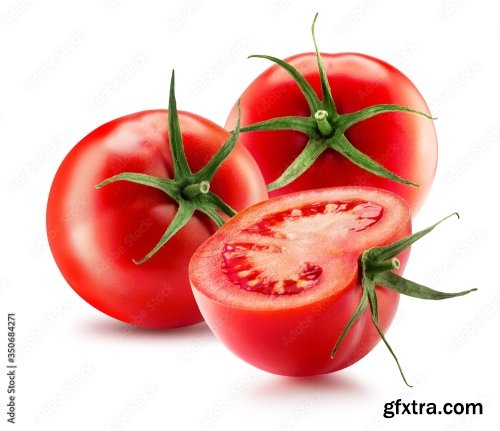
106	327
325	384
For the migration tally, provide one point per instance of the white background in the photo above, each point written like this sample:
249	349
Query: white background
67	67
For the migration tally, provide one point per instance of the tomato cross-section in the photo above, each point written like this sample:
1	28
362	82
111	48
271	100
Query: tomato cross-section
246	264
279	282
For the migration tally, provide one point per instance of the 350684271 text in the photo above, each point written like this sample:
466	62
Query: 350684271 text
11	368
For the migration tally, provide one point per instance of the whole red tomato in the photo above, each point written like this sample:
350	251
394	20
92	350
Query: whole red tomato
307	283
95	234
402	142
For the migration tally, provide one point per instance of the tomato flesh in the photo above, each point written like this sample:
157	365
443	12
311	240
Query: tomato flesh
278	283
240	259
240	268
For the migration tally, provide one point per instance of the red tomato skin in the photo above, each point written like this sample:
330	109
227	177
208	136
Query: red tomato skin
298	341
406	144
94	234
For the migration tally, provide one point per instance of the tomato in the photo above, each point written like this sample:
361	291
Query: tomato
287	281
279	281
95	234
403	143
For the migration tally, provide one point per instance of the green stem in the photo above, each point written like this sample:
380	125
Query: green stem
192	190
323	125
375	266
332	130
306	158
382	266
328	102
181	166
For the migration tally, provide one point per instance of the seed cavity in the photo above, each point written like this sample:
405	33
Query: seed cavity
355	215
240	260
241	272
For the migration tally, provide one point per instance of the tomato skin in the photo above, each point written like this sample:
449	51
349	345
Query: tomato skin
298	340
406	144
94	234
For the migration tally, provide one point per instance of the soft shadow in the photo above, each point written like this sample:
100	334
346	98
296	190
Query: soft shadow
324	384
110	328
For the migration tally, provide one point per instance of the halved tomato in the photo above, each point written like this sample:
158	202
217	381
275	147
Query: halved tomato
308	283
279	282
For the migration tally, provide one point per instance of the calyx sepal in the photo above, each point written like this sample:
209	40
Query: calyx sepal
376	267
190	190
325	125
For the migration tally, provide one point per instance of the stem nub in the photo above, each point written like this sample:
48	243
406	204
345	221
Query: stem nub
193	190
321	117
376	267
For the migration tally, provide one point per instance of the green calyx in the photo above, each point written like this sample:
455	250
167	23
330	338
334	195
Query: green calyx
376	265
325	127
190	190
